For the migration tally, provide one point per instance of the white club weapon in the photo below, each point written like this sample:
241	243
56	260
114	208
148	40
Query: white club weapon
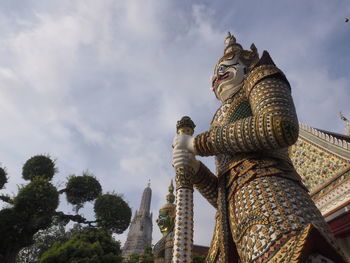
183	238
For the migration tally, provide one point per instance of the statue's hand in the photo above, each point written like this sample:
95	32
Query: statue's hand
184	142
184	158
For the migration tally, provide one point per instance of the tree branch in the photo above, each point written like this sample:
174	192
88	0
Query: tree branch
62	191
76	218
6	199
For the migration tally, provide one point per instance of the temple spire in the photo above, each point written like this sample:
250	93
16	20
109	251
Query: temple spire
140	230
145	204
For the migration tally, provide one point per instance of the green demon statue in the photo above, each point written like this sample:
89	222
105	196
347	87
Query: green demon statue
166	217
162	250
264	212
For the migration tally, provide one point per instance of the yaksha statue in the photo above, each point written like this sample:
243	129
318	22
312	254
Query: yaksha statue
264	212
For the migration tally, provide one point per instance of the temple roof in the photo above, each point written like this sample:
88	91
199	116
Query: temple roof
322	159
336	135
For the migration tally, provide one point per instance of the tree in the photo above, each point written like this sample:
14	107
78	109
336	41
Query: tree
43	240
35	206
112	213
198	258
132	258
145	257
92	245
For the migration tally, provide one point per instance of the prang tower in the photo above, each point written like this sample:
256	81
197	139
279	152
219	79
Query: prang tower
140	231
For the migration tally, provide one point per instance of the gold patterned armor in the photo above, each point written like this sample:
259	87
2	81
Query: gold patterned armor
264	213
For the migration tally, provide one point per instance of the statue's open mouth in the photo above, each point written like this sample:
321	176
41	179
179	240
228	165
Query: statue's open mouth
225	76
217	80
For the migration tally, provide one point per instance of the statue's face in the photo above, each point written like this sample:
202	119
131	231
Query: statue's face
165	221
228	78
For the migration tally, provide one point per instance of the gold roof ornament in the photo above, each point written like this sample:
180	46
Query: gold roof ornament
248	57
170	196
343	118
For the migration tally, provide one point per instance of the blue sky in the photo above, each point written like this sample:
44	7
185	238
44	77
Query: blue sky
99	85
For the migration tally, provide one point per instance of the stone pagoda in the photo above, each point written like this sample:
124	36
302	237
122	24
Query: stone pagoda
140	231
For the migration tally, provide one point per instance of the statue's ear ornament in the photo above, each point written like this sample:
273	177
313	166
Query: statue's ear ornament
253	48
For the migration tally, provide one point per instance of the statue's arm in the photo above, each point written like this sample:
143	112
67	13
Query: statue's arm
274	123
207	184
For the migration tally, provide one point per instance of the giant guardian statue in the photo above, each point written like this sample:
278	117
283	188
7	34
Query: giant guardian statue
264	212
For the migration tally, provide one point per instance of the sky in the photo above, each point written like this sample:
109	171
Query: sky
99	85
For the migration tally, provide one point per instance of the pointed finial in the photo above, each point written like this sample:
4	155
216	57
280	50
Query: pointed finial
231	45
171	187
170	196
229	40
149	183
253	48
343	118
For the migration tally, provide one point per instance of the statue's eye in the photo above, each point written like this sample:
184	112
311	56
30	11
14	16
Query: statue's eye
222	68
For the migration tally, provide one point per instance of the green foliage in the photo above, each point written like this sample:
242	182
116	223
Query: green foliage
132	258
89	246
37	200
3	177
112	213
148	250
198	258
81	189
14	228
39	166
43	240
147	256
34	207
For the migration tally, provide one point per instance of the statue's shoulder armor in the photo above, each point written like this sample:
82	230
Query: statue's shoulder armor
265	68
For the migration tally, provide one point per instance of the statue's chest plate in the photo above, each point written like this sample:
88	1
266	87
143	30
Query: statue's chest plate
232	110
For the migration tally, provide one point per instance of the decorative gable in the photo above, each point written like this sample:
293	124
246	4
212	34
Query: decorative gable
323	162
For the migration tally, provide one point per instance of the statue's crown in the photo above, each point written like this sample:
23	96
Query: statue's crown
170	198
248	57
231	46
184	123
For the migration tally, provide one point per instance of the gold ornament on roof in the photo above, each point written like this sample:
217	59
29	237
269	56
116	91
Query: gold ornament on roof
343	118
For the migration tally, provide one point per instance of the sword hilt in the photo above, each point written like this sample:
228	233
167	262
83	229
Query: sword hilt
184	174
